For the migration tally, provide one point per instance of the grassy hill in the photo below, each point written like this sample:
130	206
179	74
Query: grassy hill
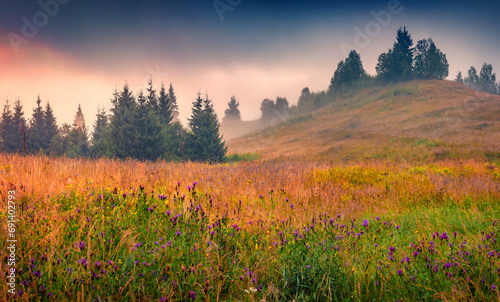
413	121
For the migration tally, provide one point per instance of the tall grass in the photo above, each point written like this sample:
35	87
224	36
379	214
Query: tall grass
127	230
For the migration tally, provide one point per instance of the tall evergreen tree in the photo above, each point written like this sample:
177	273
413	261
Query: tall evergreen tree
8	130
148	136
36	133
164	106
459	77
51	128
204	142
151	97
121	127
173	103
396	64
232	113
347	72
304	97
472	79
487	79
99	145
22	127
79	121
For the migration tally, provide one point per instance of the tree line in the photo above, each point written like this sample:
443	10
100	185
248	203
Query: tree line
142	126
403	62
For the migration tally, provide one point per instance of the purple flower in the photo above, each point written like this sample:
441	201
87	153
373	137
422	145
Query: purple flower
81	245
415	254
365	223
192	295
400	272
391	248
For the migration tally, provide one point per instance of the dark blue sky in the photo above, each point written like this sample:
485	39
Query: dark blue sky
260	48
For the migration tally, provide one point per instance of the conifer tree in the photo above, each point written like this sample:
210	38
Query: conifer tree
51	128
232	113
151	97
8	130
36	137
121	127
99	146
174	108
164	106
204	142
20	122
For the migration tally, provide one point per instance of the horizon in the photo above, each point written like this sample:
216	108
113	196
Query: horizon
81	52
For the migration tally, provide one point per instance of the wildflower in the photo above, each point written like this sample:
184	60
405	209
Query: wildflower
400	272
81	245
365	223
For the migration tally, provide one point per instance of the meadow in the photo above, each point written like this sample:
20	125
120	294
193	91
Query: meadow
111	230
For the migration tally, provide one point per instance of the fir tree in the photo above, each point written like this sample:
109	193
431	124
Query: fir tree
232	113
148	136
51	128
472	79
20	122
347	72
121	127
487	79
459	77
151	97
8	130
173	103
36	137
99	146
164	106
204	143
80	119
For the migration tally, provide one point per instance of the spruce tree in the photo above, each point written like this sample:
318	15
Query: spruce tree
164	106
232	113
204	142
173	103
148	136
347	72
151	97
396	64
8	130
80	119
487	79
36	137
121	127
22	127
459	77
99	146
51	128
472	79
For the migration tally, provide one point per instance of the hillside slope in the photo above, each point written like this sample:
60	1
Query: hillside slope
414	121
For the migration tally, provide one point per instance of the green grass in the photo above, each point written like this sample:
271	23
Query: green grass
245	157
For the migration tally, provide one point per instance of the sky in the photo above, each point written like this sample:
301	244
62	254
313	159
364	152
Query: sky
72	52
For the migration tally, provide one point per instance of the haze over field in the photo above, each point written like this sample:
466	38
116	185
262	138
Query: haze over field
250	49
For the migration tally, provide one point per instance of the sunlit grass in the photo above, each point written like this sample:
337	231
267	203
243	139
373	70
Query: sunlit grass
138	231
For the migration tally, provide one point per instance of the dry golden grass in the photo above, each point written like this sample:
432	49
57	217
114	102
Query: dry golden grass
418	121
312	187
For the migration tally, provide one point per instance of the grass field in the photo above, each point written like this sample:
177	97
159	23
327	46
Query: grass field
108	230
417	121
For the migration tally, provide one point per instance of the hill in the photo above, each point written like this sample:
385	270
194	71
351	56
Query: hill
411	121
